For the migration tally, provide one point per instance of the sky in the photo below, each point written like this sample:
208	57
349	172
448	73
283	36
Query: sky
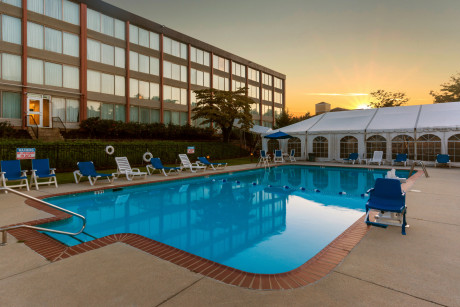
337	51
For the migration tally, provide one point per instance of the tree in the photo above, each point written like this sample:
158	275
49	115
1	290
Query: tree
383	99
223	108
286	119
450	91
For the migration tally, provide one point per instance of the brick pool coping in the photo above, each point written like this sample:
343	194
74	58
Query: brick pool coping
311	271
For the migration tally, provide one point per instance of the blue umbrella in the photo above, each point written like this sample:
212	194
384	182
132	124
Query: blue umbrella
278	135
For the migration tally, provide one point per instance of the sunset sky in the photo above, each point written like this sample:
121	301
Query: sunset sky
337	51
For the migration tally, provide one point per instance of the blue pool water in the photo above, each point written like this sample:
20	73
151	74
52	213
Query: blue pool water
258	221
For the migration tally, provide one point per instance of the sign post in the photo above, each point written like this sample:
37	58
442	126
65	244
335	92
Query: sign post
25	153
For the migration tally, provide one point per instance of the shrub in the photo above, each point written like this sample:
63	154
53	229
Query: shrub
6	129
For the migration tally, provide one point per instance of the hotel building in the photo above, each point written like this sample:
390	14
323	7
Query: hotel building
71	60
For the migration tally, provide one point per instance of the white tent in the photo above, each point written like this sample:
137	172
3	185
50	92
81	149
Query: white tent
421	131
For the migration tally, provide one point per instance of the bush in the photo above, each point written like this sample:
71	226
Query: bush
110	129
6	130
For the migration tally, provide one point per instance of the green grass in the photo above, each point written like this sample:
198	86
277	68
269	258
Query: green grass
69	178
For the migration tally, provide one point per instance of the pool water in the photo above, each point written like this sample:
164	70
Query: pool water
259	221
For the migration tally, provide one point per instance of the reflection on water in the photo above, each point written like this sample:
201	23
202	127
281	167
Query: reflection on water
248	220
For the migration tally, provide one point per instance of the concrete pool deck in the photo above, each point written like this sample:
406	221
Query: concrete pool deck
385	268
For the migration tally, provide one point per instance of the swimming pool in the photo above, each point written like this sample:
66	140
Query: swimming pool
258	221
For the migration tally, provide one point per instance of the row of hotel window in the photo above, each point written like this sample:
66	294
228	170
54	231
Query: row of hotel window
49	39
68	109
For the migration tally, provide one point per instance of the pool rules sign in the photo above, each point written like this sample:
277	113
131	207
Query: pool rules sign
25	153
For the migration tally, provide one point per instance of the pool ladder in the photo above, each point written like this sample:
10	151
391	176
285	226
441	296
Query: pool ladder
4	230
412	168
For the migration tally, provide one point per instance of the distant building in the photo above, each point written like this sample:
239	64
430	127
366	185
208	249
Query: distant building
322	107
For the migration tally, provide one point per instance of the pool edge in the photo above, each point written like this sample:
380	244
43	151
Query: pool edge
311	271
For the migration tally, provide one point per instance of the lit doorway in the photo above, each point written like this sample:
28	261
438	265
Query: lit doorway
39	111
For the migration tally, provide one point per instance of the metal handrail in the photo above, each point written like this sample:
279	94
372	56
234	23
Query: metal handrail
35	131
414	163
4	230
59	120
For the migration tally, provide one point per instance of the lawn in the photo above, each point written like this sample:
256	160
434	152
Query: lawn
68	177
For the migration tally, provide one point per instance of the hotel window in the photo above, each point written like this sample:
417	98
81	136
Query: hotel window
106	111
174	71
255	108
220	83
174	48
17	3
278	97
41	37
278	83
145	64
174	95
10	67
236	85
238	70
220	63
67	110
105	54
106	83
144	115
47	73
277	111
11	29
106	25
267	110
144	90
267	79
143	37
11	105
253	74
267	95
199	77
199	56
253	91
60	9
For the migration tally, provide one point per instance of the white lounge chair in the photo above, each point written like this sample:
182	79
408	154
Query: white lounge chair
123	168
377	158
292	156
185	163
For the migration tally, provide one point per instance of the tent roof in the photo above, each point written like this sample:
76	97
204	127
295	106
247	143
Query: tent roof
349	121
439	116
407	118
394	119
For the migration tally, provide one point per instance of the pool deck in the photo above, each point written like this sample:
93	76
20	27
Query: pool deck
384	268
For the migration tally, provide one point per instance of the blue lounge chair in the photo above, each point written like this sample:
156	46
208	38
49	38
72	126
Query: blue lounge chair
11	171
442	159
353	157
292	156
278	157
400	158
214	166
41	169
387	196
86	169
264	158
155	164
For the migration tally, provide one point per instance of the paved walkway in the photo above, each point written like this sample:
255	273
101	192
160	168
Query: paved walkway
385	268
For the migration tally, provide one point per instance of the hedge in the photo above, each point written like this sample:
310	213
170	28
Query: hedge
64	155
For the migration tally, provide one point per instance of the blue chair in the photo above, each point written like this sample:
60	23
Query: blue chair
387	196
214	166
87	169
264	158
278	156
11	171
41	169
400	158
292	156
155	164
442	159
353	157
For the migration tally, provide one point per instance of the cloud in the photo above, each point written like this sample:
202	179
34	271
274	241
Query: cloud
337	94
